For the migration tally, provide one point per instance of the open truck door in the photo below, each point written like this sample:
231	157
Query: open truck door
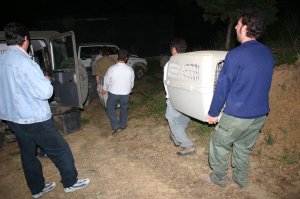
69	78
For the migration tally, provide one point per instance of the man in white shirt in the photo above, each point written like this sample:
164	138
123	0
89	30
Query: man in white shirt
178	122
118	82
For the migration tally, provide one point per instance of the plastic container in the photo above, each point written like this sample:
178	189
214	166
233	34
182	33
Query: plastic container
191	78
69	121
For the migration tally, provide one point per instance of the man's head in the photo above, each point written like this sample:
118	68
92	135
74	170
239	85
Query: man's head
178	45
122	55
104	51
250	25
16	34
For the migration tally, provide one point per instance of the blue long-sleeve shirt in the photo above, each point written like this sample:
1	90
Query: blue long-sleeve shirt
24	89
244	82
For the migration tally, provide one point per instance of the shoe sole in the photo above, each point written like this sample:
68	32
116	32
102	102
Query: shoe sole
186	154
42	193
75	189
206	180
235	183
114	133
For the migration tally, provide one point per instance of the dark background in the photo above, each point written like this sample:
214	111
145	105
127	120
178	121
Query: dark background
142	27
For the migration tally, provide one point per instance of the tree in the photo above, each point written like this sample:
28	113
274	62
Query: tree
228	10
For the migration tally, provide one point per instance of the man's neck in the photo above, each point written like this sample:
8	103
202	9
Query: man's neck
247	39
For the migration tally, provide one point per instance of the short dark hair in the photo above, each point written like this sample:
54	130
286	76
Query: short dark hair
179	44
104	50
254	19
15	33
122	55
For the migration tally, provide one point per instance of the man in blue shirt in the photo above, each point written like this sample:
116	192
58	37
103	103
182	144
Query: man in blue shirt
243	91
24	105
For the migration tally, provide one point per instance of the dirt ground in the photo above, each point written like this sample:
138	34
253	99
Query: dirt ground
141	161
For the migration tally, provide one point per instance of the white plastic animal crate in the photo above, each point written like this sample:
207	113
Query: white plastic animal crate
191	78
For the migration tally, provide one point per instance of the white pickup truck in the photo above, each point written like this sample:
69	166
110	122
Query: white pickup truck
88	54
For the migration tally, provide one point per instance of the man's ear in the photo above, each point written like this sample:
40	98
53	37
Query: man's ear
26	38
244	29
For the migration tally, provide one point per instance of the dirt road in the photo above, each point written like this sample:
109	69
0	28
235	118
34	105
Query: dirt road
141	163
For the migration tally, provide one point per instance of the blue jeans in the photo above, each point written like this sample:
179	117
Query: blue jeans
178	123
240	135
47	137
111	105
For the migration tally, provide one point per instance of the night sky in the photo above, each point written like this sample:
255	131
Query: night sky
31	10
188	21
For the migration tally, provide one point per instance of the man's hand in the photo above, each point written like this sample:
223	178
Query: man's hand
47	76
211	120
103	92
98	87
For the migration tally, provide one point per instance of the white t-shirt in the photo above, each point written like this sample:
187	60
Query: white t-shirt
165	78
119	79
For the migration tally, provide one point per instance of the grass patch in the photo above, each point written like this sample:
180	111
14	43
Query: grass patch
289	156
155	103
269	139
202	130
84	121
258	152
152	104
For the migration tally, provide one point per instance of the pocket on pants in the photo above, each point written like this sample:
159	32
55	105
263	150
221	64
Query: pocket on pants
225	130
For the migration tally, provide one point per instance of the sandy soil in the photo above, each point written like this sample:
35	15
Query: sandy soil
141	161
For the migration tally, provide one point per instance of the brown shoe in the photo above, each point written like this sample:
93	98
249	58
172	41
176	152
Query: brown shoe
186	151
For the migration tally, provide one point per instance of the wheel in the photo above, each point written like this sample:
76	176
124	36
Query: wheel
83	83
139	72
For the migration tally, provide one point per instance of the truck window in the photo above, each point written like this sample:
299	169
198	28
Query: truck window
88	52
63	54
40	55
113	50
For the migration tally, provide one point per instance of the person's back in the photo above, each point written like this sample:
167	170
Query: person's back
104	62
22	81
121	79
249	96
118	82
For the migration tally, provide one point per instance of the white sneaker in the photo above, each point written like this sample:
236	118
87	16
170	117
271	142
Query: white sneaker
48	187
81	183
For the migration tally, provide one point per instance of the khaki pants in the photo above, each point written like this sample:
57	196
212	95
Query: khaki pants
240	135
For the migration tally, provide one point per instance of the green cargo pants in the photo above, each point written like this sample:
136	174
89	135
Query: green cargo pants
240	135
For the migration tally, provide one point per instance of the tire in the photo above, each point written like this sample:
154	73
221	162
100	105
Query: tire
139	72
83	83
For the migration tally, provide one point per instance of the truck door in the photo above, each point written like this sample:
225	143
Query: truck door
70	79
